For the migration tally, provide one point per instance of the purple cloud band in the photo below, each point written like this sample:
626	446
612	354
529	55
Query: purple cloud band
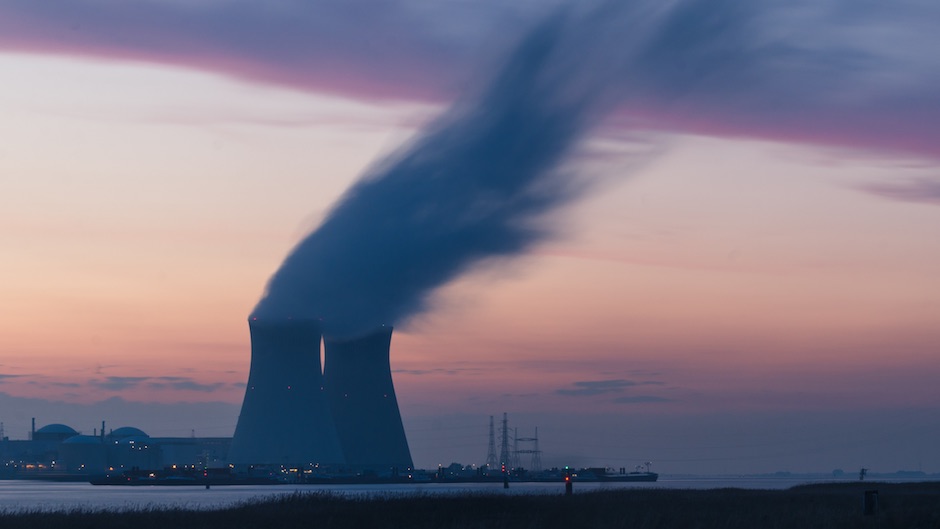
854	73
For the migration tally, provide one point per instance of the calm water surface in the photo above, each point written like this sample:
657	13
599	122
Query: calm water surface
40	495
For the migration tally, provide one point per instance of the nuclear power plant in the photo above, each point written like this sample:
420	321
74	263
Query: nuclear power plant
296	413
362	399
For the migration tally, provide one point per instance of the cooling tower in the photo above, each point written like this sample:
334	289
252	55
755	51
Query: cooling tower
285	418
359	384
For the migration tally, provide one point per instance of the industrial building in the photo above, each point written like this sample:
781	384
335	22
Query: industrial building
339	414
285	418
58	451
342	413
362	400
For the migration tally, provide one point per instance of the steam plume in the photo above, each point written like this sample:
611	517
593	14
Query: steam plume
472	186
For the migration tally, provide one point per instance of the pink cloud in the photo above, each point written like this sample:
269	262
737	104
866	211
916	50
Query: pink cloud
784	71
350	48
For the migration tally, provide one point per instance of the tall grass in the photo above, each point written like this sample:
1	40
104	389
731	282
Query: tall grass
908	506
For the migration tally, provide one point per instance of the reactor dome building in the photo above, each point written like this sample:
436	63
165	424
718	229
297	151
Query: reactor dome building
298	413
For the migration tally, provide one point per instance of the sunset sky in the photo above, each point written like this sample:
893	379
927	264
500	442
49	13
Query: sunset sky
748	282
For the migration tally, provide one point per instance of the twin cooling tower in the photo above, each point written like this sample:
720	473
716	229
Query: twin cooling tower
294	414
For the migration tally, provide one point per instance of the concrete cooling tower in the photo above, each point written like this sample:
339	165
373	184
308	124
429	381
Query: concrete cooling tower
362	399
285	418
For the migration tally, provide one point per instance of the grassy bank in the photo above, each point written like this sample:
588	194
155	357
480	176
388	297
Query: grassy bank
908	506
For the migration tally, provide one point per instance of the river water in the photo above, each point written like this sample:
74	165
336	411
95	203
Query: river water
23	495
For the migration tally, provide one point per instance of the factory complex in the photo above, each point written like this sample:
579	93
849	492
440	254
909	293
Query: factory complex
303	419
297	412
57	451
338	417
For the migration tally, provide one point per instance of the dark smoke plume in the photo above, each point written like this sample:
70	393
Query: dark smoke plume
472	186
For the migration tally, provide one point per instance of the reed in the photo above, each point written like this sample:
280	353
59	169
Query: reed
830	506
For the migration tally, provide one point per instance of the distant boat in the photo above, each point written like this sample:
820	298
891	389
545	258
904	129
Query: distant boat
602	475
629	476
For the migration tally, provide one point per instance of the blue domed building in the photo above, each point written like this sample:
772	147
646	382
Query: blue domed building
54	432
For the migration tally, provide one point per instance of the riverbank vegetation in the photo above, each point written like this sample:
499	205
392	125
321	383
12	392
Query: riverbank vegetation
831	506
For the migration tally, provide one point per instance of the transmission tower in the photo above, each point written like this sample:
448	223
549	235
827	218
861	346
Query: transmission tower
536	453
504	456
535	464
491	461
